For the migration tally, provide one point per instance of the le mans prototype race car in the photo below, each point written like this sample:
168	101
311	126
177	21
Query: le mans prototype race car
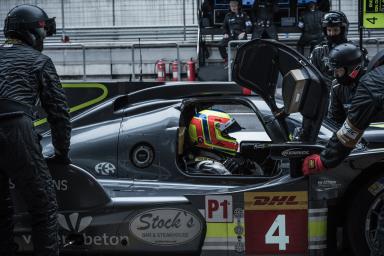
129	191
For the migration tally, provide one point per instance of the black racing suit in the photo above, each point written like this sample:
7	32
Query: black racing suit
340	102
204	162
263	12
312	32
29	78
234	25
367	106
319	58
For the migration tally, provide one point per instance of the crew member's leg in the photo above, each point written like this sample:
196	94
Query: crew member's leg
28	170
6	214
223	48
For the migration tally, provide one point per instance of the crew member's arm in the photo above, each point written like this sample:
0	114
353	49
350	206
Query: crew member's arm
336	111
316	57
54	102
363	109
248	24
225	26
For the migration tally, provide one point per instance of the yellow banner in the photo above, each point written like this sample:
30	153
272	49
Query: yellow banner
373	14
296	200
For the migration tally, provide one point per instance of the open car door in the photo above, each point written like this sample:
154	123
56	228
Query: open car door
257	66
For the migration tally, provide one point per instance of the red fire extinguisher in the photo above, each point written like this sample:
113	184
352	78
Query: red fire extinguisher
174	69
160	70
191	73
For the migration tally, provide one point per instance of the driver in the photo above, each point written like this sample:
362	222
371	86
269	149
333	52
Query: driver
213	150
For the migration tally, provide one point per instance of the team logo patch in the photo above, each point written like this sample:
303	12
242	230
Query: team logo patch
349	135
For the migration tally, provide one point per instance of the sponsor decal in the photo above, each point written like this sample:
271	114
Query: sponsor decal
348	134
166	226
74	223
219	209
239	230
295	152
60	185
276	222
105	169
276	200
376	187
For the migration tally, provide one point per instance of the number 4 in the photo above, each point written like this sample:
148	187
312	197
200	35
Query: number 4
281	238
372	20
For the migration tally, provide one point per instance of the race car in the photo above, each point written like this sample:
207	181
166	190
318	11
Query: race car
129	191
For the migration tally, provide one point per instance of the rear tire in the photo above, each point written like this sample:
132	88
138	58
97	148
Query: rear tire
362	215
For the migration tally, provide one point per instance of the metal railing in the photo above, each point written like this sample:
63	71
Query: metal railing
367	41
131	46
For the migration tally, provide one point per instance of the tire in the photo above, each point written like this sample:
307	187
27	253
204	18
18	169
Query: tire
362	215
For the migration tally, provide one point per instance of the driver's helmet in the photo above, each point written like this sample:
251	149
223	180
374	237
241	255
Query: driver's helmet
349	57
29	24
335	19
210	129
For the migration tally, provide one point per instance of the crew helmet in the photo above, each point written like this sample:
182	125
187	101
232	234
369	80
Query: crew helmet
335	19
29	24
210	129
349	57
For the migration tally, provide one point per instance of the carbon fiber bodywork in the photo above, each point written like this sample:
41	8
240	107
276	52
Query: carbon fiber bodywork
128	190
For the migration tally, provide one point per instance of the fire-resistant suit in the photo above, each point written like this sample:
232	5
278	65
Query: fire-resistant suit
263	11
234	25
367	106
200	161
312	32
340	102
29	78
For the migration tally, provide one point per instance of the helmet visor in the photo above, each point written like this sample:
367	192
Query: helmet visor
332	20
50	26
230	126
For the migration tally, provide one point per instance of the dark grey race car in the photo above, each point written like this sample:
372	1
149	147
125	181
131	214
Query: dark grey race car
129	191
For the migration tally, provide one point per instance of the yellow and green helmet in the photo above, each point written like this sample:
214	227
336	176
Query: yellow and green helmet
210	128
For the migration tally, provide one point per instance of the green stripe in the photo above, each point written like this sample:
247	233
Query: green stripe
317	228
377	125
85	104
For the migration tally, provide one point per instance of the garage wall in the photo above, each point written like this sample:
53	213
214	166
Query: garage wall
104	13
349	7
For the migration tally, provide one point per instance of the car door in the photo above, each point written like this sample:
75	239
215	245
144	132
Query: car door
303	89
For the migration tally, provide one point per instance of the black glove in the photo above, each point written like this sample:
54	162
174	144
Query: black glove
59	158
234	164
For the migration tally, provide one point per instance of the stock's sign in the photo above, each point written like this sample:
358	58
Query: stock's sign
166	226
276	222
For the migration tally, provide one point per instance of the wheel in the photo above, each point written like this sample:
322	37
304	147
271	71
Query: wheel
362	217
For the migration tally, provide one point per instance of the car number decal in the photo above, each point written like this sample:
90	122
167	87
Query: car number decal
276	222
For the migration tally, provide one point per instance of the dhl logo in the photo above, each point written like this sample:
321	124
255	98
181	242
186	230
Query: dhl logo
276	200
